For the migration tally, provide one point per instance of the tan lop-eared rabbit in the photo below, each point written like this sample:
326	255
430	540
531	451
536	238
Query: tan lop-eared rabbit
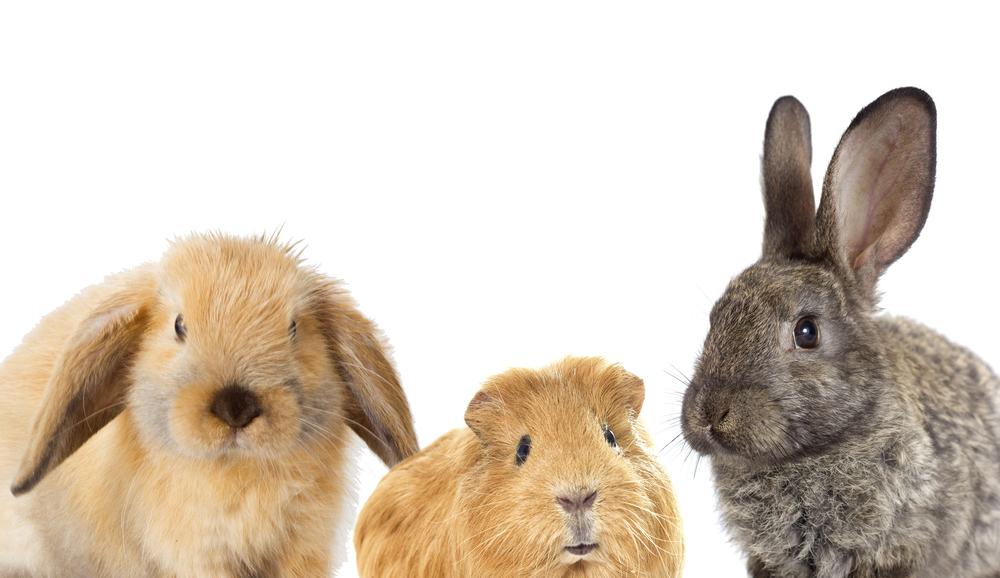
191	418
551	479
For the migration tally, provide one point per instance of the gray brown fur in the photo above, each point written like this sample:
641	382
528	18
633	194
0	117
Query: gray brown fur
876	454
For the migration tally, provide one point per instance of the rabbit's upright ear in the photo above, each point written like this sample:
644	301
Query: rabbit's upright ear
376	408
878	189
788	192
89	382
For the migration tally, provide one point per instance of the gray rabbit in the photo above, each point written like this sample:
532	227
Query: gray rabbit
845	443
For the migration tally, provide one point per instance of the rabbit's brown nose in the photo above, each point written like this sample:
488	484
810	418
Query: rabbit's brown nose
236	406
579	501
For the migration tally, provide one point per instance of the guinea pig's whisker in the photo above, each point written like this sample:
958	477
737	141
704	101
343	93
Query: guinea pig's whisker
630	532
649	512
483	544
642	532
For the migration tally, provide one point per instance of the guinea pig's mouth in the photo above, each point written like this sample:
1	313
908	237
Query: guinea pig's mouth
581	549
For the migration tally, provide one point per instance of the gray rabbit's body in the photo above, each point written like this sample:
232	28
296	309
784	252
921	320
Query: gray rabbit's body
845	444
924	474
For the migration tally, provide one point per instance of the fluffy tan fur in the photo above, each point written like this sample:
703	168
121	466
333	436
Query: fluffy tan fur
463	507
125	471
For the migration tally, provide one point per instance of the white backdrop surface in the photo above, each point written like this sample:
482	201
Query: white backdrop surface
499	183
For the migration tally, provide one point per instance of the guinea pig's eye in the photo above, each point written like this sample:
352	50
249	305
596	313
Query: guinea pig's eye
609	436
806	333
179	328
293	329
523	449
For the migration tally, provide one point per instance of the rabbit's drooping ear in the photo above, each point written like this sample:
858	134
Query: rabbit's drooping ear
89	382
788	192
879	185
376	407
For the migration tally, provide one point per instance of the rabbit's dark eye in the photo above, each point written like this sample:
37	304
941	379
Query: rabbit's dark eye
609	436
523	449
293	329
806	333
179	328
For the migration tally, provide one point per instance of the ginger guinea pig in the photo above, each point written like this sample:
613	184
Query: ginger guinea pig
192	417
551	479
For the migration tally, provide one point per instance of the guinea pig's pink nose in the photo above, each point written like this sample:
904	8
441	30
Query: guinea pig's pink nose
236	406
578	501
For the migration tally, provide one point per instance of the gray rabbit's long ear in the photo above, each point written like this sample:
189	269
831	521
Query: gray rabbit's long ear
788	192
878	189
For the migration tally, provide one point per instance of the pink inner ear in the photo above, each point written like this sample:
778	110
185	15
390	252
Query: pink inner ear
871	196
481	403
481	398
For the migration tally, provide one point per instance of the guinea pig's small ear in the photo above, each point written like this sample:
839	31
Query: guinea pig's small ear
89	383
376	408
623	389
879	185
790	207
480	411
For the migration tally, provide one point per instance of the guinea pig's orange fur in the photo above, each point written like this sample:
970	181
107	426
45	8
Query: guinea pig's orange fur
464	508
121	469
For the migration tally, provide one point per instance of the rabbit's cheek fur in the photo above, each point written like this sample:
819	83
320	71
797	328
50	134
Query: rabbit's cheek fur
754	395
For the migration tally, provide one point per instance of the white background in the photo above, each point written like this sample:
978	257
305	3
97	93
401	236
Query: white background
500	184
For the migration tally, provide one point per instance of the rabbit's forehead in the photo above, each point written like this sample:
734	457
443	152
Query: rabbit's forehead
769	291
230	283
215	292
